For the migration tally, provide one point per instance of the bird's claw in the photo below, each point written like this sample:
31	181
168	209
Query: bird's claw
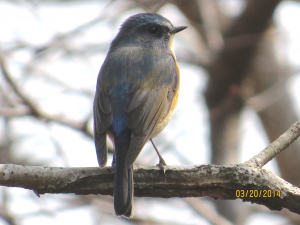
162	165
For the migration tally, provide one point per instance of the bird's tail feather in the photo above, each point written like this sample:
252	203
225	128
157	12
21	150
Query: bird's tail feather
123	189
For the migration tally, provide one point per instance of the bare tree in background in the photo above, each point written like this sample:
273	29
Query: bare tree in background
238	56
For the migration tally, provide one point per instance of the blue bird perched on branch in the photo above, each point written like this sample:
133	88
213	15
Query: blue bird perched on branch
137	91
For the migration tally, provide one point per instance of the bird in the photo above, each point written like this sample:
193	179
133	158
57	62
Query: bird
136	94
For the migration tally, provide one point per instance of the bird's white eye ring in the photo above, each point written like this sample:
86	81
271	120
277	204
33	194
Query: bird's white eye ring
153	29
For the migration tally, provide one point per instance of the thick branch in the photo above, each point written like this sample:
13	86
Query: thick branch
276	146
216	181
241	41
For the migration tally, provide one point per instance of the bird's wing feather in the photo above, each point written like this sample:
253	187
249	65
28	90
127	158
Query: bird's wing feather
152	83
102	121
150	103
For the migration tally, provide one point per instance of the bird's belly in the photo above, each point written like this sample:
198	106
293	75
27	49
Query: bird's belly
164	122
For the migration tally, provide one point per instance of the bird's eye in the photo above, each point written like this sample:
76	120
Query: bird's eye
153	29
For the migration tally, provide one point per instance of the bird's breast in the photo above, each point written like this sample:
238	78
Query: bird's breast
165	120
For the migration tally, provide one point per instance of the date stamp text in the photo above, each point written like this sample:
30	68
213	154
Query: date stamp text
257	193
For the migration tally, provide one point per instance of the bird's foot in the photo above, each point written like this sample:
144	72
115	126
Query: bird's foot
162	165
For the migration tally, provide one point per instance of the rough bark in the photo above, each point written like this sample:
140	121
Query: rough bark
215	181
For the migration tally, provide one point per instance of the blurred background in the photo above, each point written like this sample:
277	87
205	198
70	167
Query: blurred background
240	79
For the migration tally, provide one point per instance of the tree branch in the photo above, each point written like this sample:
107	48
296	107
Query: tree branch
35	111
277	146
215	181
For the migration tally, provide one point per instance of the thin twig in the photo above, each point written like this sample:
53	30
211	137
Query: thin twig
275	147
23	97
35	111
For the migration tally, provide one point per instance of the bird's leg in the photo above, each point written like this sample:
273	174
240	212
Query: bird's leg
162	162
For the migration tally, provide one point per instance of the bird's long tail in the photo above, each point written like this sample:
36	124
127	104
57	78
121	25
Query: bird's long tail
123	189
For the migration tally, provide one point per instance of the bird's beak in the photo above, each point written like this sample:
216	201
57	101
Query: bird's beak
177	29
